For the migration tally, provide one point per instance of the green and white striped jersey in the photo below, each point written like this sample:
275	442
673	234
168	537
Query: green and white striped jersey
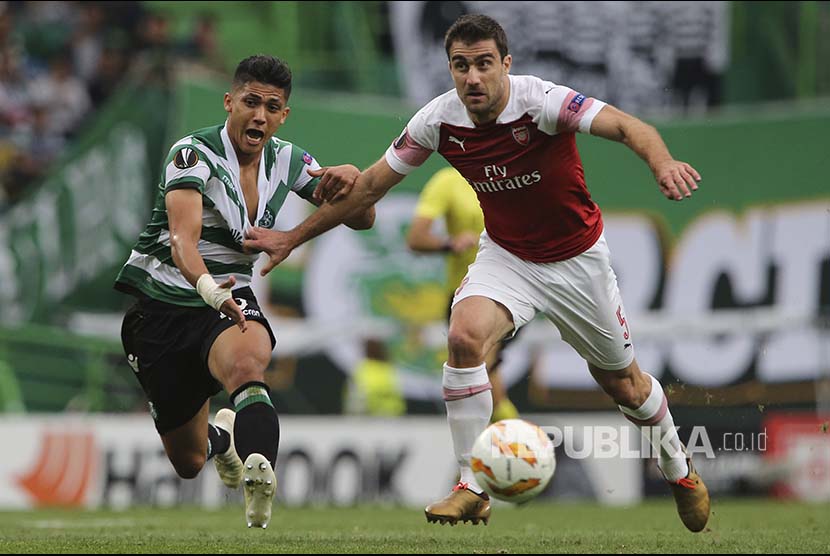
205	160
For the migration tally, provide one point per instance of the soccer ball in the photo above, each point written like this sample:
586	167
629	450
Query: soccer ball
513	460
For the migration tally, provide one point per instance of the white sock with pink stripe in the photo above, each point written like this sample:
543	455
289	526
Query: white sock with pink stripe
655	414
469	407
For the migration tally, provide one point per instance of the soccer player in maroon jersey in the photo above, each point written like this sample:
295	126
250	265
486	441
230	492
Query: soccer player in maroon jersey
543	249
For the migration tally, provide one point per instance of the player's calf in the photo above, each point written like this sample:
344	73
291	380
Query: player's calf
256	428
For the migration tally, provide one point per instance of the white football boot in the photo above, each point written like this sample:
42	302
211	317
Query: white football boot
228	465
259	485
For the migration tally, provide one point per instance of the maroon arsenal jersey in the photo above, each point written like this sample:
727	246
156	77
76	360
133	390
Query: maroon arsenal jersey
524	167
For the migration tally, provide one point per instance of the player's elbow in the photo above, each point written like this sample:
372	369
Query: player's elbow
364	221
178	247
411	240
415	239
414	243
630	129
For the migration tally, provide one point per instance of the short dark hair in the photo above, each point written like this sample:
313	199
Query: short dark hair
472	28
264	69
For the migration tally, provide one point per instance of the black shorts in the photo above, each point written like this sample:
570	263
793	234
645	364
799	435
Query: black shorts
167	347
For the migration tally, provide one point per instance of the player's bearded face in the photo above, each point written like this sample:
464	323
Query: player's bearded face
480	76
255	112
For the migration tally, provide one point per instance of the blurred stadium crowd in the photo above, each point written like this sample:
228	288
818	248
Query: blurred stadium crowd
60	61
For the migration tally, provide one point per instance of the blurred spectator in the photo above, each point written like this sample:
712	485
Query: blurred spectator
154	35
14	113
88	41
112	66
696	34
14	92
47	28
374	388
64	94
61	61
154	47
129	18
203	44
9	34
37	147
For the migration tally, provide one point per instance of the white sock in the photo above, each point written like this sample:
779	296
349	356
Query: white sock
469	408
655	414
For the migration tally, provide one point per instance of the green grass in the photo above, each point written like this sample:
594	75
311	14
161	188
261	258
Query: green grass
759	526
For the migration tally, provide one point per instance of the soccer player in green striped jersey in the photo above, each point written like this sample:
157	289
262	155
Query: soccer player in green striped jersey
196	326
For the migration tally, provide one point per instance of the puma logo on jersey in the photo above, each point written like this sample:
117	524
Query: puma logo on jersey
458	141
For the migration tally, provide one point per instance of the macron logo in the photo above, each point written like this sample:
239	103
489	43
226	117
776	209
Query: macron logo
458	141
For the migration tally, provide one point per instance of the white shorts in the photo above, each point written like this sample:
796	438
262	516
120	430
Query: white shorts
579	295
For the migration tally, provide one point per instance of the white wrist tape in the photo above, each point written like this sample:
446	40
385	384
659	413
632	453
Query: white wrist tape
210	291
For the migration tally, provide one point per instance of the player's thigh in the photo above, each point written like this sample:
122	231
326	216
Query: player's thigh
584	302
238	357
163	346
234	357
494	299
495	356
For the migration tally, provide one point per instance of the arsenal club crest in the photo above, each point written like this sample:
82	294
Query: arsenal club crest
521	135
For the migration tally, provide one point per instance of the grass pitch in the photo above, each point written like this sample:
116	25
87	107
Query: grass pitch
759	526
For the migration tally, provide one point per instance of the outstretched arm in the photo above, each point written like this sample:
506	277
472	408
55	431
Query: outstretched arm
369	188
676	179
421	239
340	180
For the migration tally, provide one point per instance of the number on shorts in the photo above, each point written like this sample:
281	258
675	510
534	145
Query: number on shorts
623	322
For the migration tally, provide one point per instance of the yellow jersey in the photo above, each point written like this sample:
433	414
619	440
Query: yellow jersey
447	195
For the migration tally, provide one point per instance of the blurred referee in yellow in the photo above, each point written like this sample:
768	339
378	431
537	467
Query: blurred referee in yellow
448	196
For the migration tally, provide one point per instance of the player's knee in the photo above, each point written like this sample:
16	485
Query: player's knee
248	368
188	466
462	344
